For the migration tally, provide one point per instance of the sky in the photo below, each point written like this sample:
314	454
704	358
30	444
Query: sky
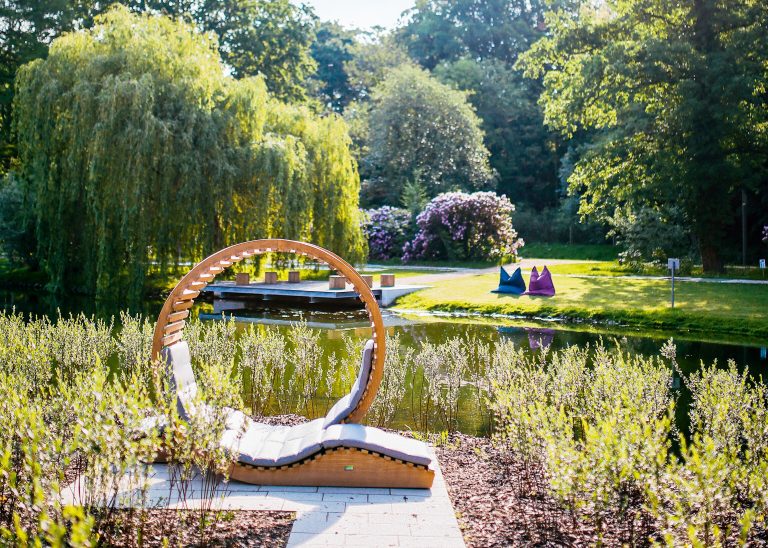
361	14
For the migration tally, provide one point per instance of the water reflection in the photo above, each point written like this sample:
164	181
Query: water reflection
416	330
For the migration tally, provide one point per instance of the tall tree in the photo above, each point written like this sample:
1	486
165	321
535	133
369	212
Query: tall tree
423	130
442	30
672	97
473	44
331	50
523	151
137	151
26	29
373	58
268	37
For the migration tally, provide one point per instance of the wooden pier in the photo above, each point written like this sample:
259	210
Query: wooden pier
230	296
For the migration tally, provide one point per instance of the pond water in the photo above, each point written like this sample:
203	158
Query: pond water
415	329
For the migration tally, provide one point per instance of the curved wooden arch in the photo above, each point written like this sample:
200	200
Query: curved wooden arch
169	329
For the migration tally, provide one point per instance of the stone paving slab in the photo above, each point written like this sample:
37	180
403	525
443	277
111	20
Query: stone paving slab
325	516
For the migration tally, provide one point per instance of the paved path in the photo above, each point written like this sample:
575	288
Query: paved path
327	516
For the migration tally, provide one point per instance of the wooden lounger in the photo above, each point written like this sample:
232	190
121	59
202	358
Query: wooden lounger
331	451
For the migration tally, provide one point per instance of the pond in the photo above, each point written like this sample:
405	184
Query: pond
414	329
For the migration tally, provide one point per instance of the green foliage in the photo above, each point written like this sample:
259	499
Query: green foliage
651	235
15	232
78	406
522	151
445	30
669	99
332	50
373	58
414	197
421	128
600	424
267	37
579	252
137	152
25	29
559	225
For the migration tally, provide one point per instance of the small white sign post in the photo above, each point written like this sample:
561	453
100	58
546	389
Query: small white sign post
762	266
673	264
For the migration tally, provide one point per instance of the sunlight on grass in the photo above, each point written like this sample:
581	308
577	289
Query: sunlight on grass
700	306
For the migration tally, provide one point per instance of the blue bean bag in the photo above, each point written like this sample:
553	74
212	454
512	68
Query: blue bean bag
513	285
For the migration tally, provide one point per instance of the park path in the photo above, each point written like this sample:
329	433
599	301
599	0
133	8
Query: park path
325	516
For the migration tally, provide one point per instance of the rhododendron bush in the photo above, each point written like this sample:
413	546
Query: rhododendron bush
387	230
461	226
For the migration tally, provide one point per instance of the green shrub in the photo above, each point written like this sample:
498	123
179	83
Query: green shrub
600	425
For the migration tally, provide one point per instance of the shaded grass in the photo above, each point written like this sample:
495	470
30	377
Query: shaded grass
20	276
705	307
583	252
442	263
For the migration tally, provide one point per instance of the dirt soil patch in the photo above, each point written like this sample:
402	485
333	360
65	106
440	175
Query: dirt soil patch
165	527
501	502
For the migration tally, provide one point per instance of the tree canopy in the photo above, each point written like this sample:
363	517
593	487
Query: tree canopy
523	152
670	100
423	130
138	152
268	37
331	50
445	30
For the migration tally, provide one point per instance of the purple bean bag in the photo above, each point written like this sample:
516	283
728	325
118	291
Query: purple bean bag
539	338
541	284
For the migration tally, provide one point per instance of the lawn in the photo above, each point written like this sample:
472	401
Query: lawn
708	307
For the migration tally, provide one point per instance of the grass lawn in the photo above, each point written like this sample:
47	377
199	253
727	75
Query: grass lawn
706	307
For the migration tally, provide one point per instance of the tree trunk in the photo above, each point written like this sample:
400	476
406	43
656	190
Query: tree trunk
711	260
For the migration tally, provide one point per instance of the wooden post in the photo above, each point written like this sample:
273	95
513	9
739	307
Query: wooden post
270	277
242	278
294	276
387	280
368	280
337	282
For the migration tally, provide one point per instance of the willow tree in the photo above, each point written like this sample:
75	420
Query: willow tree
139	152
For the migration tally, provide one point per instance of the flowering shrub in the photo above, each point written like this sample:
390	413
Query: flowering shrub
765	233
461	226
387	231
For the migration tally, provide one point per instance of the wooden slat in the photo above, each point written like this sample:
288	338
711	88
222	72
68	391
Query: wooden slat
176	316
183	305
174	327
188	294
181	300
330	469
197	286
168	340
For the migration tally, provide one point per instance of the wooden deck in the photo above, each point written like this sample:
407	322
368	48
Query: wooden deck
226	292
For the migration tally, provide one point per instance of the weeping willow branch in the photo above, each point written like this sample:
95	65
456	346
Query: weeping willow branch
139	152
